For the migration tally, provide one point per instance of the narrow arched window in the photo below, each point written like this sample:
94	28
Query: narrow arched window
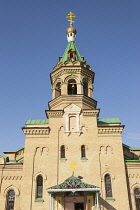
58	89
10	200
83	152
137	198
72	87
85	88
39	183
62	151
108	187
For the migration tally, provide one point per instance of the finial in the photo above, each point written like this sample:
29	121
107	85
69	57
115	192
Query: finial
71	31
71	15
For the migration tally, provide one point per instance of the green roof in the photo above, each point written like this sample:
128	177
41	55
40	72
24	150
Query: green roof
131	148
109	120
15	150
14	163
34	122
71	46
71	183
132	160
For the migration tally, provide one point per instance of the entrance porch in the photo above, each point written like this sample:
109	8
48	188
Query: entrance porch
73	194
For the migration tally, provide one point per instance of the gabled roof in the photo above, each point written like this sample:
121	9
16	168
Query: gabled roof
71	46
73	183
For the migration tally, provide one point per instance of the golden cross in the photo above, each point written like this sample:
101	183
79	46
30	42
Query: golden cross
71	15
72	166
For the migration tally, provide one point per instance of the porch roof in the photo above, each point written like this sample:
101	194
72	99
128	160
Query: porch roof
73	184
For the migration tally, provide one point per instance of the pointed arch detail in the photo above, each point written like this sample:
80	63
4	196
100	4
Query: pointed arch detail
110	173
40	173
11	187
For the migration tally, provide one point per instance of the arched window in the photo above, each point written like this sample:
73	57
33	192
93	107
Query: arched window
62	151
83	152
72	87
108	187
85	88
10	200
137	198
39	183
58	89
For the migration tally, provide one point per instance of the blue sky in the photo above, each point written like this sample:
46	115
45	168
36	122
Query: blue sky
32	37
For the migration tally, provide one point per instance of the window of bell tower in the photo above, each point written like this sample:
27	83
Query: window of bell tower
71	55
72	87
85	88
58	89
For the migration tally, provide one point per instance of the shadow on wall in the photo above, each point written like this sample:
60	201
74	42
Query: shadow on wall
106	205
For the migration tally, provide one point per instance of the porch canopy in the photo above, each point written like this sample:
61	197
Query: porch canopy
73	184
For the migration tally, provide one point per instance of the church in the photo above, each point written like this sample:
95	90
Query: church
72	160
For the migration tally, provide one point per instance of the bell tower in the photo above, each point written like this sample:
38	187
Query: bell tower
72	78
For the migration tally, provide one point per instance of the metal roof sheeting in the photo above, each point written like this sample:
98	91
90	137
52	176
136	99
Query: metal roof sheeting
34	122
71	46
109	120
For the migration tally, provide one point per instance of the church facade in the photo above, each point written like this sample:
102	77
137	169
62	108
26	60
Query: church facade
72	160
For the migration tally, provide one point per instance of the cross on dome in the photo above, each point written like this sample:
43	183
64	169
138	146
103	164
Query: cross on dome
71	15
71	31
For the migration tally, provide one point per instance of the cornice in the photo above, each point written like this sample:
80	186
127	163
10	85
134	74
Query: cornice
71	70
133	165
79	100
36	130
54	113
71	64
110	130
7	167
93	113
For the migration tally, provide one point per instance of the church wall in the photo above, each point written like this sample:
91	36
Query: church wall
49	163
133	177
40	157
11	179
112	162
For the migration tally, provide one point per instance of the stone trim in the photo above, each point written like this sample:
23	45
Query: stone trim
79	99
78	133
110	130
132	165
94	113
81	70
12	177
36	131
54	113
134	176
14	167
